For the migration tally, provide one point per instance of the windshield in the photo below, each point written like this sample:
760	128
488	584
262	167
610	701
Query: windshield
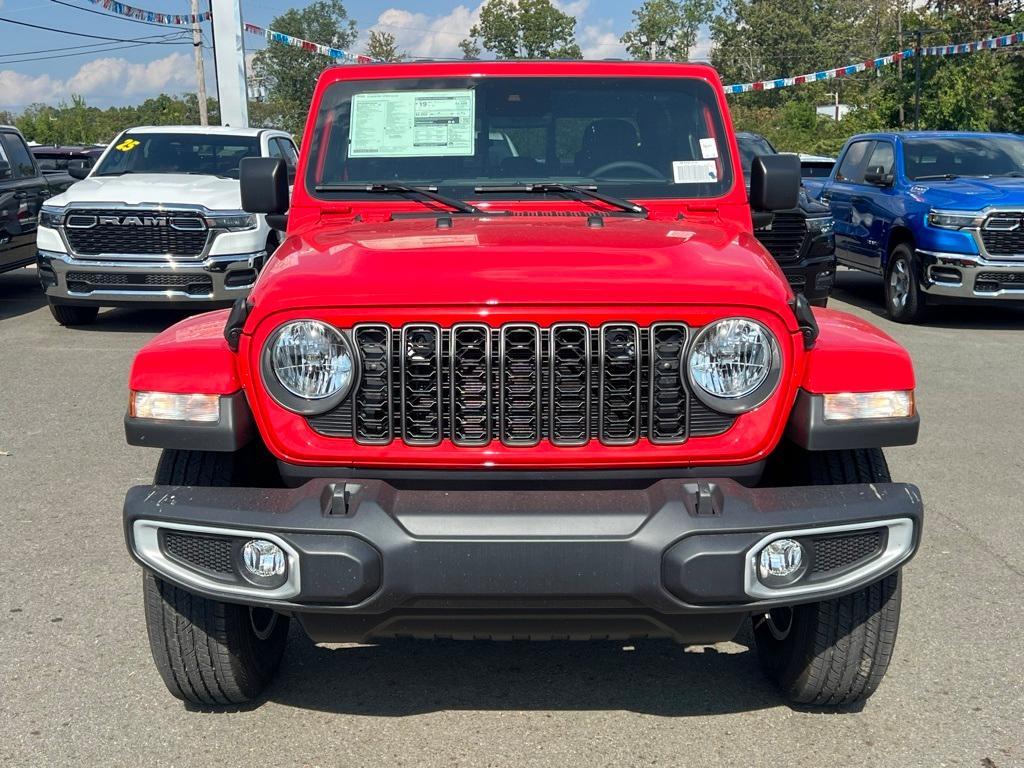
750	147
981	156
178	153
464	137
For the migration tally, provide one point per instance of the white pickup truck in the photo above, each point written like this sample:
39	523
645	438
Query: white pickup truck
158	221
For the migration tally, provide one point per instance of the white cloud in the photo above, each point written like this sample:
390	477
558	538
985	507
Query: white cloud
600	41
106	80
701	50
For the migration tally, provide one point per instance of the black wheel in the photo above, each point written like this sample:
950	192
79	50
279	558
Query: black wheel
833	653
209	652
904	300
66	314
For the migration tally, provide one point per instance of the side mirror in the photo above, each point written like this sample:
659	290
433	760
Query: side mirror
878	177
79	169
5	169
774	182
264	182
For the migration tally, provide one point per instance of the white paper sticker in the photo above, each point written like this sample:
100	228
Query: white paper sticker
694	171
708	149
412	124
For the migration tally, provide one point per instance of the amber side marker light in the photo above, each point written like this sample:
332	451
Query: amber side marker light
890	404
171	406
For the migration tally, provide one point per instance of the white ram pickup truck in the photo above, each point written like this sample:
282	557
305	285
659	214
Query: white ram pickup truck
158	221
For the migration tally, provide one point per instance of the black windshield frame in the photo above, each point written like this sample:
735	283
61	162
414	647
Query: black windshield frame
535	118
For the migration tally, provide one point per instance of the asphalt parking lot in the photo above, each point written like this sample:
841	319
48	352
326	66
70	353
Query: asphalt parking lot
77	685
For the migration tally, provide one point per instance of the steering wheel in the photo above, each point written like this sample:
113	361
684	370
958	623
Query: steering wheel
598	173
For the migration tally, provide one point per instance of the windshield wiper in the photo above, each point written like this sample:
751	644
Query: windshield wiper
557	186
113	173
1009	175
391	188
935	176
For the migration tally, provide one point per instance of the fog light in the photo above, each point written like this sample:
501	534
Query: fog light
780	559
263	558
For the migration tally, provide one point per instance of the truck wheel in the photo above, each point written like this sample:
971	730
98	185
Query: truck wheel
904	300
209	652
66	314
833	653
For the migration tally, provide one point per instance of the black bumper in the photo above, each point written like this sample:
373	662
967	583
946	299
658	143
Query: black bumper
373	559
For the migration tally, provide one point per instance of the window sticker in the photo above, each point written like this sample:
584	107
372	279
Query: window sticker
412	124
128	145
694	171
708	149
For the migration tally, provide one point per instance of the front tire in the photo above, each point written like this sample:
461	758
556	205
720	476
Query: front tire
208	652
66	314
833	653
904	299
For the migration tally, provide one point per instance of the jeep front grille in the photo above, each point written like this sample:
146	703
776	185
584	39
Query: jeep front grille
785	236
88	237
520	384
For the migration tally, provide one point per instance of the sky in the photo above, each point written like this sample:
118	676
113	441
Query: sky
113	74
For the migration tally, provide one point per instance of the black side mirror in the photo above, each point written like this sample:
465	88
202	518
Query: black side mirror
774	182
878	177
79	169
264	182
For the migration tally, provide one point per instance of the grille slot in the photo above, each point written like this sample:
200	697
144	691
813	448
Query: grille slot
785	237
421	384
668	396
519	387
470	357
520	384
187	238
833	553
994	281
86	282
207	553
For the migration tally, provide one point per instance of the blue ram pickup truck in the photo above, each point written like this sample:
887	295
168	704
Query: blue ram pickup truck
939	215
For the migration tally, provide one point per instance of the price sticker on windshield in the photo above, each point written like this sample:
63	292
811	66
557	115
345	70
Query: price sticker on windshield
695	171
412	124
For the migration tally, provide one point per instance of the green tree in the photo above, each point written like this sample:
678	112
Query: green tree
382	46
470	49
291	73
666	28
524	29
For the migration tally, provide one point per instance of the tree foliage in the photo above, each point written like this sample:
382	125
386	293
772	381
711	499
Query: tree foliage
523	29
668	26
289	74
382	46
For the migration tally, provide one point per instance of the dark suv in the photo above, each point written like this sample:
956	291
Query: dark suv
22	192
801	239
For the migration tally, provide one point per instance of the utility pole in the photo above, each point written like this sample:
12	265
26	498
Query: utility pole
917	78
197	48
899	64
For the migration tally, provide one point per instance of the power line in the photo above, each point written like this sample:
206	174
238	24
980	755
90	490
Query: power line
69	55
141	40
52	50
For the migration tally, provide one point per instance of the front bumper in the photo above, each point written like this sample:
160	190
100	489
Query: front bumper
216	279
814	277
967	276
369	559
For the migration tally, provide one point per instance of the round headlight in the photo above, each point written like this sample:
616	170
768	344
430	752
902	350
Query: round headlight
309	366
734	364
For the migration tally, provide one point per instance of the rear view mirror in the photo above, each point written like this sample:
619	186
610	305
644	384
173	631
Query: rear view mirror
878	177
264	182
774	182
79	169
5	169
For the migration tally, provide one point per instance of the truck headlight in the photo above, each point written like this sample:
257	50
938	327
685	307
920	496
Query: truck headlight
309	366
233	222
955	219
51	216
820	225
734	365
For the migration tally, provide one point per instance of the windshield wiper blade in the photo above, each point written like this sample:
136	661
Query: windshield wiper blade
557	186
938	176
391	188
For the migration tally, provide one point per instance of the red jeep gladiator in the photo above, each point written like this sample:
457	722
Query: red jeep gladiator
519	370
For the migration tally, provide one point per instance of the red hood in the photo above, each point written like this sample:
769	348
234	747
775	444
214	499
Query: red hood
521	260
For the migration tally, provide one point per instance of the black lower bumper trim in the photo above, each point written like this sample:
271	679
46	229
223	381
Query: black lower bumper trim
515	556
